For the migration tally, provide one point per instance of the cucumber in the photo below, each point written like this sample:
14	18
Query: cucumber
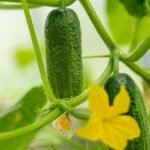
136	110
63	53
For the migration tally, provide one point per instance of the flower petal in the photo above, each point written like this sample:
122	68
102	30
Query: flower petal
91	130
127	126
98	100
121	103
113	138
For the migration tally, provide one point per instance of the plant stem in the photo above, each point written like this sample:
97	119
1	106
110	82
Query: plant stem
98	25
42	71
137	25
115	63
56	112
142	72
30	128
139	70
139	51
86	145
96	56
15	6
54	3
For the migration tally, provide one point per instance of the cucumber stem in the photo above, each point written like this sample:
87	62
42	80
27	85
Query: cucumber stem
115	57
115	64
62	4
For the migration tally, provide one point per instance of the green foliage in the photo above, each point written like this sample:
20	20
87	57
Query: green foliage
121	23
24	57
136	8
21	114
144	28
17	144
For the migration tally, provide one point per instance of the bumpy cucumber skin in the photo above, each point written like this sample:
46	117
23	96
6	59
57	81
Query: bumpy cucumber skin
137	108
63	53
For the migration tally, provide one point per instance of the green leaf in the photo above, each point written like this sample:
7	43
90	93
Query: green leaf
119	22
17	144
22	114
24	57
136	8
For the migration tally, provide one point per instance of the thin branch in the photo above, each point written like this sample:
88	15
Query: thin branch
139	51
96	56
8	6
53	3
138	70
42	71
137	25
98	25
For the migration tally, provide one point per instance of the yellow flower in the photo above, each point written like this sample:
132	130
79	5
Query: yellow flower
63	123
108	123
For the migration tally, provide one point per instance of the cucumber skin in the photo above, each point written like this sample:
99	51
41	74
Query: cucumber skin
136	110
63	53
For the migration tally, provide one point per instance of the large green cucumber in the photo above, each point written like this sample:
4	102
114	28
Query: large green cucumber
137	108
63	52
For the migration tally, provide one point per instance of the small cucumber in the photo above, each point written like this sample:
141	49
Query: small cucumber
137	108
63	53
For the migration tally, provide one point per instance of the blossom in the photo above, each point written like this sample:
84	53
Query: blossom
108	123
63	123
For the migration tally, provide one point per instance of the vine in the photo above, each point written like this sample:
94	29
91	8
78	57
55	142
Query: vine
53	3
38	53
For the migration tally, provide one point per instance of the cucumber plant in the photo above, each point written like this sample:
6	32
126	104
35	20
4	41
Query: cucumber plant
63	79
